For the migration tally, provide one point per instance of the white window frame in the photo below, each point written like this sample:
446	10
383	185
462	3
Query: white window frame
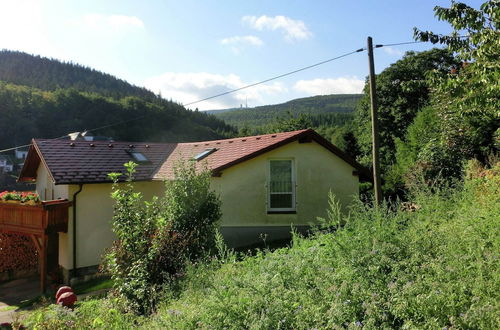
281	209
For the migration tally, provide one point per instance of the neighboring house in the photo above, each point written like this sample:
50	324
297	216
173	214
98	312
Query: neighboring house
6	165
266	184
21	153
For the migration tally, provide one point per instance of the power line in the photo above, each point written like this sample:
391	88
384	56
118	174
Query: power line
241	88
277	77
413	42
27	145
214	96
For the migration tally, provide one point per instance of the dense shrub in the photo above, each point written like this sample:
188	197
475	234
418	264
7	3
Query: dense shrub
432	266
155	239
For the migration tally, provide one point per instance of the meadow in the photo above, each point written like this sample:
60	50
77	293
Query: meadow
432	263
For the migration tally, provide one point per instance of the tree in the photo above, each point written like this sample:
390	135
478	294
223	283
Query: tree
155	239
290	123
468	100
402	91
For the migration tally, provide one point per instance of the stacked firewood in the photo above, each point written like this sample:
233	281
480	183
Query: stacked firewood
17	252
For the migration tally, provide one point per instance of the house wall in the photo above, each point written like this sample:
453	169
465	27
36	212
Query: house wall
94	210
243	191
46	188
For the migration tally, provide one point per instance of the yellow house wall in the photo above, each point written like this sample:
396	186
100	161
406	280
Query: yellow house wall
243	187
94	210
46	188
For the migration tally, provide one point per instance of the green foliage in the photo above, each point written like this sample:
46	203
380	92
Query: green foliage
468	99
27	113
48	74
402	91
290	123
94	313
429	264
311	106
431	268
192	208
422	158
155	239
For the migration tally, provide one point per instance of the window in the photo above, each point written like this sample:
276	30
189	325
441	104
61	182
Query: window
204	154
281	185
138	157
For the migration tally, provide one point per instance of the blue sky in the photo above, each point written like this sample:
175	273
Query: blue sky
188	50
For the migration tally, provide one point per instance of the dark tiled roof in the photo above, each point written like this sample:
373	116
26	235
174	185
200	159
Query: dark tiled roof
91	161
72	162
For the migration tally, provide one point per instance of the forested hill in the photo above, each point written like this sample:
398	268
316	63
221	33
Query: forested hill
44	98
315	105
48	74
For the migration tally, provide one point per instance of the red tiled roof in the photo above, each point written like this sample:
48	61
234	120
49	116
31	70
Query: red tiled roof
72	162
229	151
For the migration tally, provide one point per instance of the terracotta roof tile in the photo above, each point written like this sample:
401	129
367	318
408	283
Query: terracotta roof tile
78	162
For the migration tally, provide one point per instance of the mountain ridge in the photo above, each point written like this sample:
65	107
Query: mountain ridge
312	105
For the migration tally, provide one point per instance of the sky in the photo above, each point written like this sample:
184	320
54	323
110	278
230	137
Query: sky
189	50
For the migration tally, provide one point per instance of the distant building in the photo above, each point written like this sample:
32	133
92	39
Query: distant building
6	165
86	136
21	153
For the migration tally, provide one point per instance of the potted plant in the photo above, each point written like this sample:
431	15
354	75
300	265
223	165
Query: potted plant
25	197
30	198
10	197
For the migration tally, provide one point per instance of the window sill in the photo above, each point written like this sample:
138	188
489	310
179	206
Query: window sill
281	212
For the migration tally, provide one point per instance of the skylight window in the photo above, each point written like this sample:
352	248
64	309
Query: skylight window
204	154
138	157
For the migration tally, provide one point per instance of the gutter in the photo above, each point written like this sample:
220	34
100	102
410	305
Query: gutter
74	228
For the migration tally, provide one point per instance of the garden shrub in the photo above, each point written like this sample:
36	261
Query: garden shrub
155	239
434	266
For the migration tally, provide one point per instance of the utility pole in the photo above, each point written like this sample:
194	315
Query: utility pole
375	143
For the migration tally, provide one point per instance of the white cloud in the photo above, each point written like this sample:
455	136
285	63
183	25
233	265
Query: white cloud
342	85
116	22
237	40
190	87
292	29
392	51
237	43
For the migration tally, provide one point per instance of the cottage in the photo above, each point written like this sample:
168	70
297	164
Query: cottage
266	183
6	165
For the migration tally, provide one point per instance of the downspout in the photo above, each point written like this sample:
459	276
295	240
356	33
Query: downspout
74	228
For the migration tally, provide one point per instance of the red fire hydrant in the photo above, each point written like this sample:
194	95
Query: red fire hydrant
66	297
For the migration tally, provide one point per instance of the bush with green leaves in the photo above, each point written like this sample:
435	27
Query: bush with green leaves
467	99
156	238
429	265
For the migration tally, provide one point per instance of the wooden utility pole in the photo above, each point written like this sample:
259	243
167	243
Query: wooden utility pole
375	143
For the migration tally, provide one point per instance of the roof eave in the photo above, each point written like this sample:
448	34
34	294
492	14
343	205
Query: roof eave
364	173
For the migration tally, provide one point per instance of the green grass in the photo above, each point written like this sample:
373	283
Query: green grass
94	285
435	268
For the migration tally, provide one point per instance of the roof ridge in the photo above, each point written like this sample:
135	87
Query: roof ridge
291	133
